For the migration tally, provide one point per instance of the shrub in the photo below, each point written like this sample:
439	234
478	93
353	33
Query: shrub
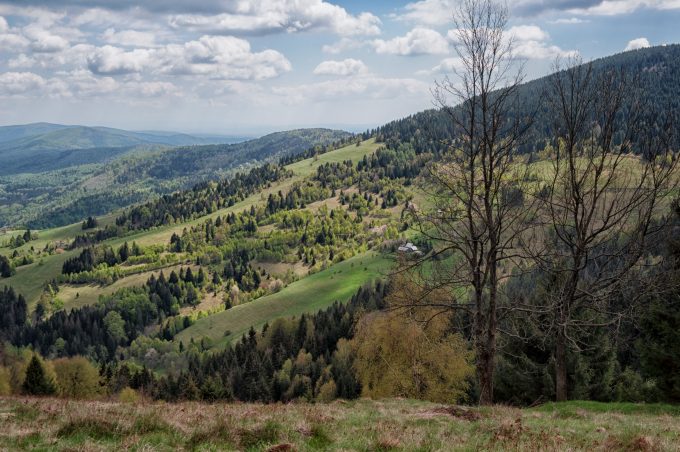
128	395
76	377
396	357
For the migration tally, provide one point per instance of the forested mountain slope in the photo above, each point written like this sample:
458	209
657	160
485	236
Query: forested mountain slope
656	71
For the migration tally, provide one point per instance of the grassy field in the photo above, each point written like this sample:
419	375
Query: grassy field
29	280
308	295
362	425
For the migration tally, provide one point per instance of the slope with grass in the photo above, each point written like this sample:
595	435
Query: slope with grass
308	295
29	279
42	424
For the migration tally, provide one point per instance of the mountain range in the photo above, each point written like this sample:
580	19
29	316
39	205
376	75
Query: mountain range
52	175
39	147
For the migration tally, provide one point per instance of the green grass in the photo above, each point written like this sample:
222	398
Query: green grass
308	295
362	425
574	407
29	280
352	152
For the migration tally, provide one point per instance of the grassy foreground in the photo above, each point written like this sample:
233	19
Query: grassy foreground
364	425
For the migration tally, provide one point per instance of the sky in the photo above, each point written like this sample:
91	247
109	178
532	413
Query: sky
255	66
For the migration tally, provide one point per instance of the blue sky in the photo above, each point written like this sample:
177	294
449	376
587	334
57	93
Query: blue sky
239	66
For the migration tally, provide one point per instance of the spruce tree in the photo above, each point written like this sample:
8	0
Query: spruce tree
37	382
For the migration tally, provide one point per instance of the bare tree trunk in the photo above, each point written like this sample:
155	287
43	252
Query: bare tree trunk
471	218
487	365
561	386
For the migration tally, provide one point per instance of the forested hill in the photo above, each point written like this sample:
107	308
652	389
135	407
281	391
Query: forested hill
205	161
657	70
125	176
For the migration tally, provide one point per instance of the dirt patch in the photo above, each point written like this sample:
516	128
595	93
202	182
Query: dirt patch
210	302
281	448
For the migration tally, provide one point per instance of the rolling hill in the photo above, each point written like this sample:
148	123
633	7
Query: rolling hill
36	148
59	186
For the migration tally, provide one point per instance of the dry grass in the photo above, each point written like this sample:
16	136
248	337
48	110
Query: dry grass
211	302
359	425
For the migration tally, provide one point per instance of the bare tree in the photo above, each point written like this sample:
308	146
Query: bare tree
474	211
602	202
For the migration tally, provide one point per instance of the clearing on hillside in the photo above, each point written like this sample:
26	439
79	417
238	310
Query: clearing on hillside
308	295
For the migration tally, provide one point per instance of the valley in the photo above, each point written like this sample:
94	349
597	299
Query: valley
492	264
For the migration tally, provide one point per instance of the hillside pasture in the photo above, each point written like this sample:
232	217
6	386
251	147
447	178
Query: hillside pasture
308	295
30	279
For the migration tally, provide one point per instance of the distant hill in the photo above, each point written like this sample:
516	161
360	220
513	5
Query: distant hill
46	180
40	147
11	133
657	69
205	161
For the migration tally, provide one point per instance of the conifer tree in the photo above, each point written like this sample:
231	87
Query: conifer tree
37	382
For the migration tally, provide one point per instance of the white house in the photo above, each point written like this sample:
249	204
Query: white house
408	248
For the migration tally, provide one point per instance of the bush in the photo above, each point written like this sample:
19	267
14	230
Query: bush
128	395
5	387
397	357
77	378
632	388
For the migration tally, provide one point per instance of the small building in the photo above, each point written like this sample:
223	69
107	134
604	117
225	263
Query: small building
409	248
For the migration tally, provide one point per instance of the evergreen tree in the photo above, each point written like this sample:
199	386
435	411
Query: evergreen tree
37	382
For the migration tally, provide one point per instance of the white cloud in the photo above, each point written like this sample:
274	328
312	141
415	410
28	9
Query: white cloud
14	83
222	57
43	40
4	26
275	16
152	89
129	38
590	7
445	66
82	83
371	87
22	61
428	12
568	21
639	43
617	7
73	56
528	33
419	41
534	50
110	60
531	42
343	68
12	42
